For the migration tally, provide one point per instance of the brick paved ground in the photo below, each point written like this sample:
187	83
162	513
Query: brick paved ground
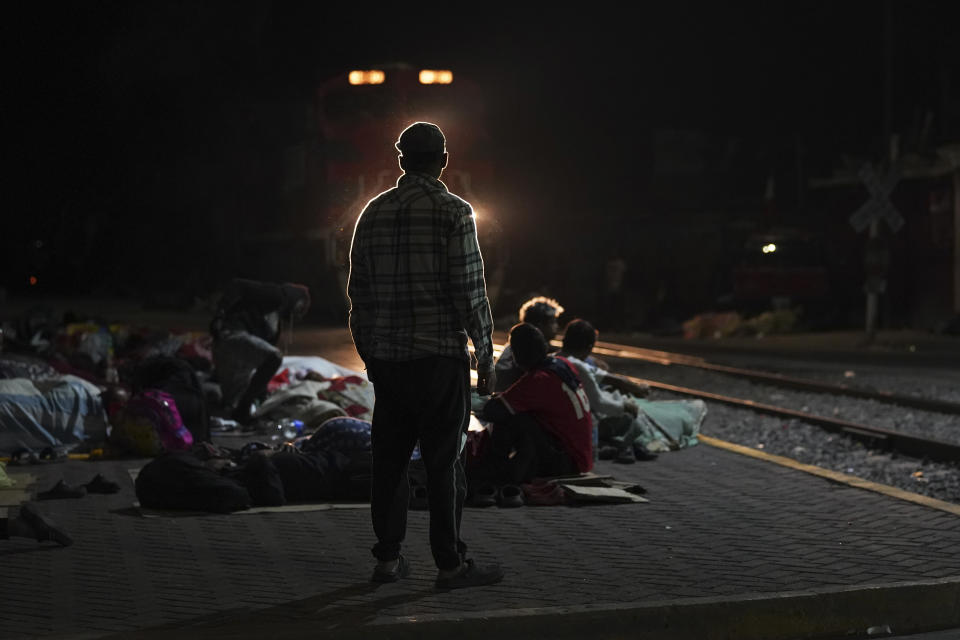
717	524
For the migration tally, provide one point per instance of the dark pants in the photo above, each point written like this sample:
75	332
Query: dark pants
521	450
244	364
427	400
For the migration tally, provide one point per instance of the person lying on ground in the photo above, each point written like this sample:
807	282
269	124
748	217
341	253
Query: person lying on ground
245	330
30	523
612	413
541	425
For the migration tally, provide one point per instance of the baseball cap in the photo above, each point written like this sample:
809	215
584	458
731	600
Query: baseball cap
421	137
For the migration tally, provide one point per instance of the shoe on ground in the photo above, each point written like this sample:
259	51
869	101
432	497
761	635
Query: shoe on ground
485	495
50	454
642	453
510	496
418	498
99	484
607	452
62	490
384	576
544	495
44	528
471	575
23	456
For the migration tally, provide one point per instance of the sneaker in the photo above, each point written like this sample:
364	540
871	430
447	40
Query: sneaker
485	495
99	484
642	453
44	528
607	452
62	490
383	576
471	575
510	495
547	494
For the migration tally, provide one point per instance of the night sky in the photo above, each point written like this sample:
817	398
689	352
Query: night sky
109	102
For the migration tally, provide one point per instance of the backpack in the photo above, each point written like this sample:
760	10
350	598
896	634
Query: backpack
175	376
159	409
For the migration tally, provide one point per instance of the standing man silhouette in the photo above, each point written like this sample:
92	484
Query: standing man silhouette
417	292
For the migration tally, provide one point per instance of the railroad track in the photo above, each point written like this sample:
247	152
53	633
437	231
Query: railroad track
666	358
906	443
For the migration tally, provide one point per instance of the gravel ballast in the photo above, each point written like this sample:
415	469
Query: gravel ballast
811	444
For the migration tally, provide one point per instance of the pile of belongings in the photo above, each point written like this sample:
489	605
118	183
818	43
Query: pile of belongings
62	382
726	324
88	385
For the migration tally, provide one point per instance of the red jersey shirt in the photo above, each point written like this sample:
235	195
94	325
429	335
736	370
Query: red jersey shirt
561	410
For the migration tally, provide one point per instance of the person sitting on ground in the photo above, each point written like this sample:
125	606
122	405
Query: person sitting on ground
612	413
245	330
541	425
542	313
30	523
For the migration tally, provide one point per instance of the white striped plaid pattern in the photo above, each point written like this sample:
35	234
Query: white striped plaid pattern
416	283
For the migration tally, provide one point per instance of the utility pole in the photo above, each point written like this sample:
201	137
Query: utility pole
891	150
879	184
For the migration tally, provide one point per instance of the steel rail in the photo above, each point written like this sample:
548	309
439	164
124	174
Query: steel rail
628	352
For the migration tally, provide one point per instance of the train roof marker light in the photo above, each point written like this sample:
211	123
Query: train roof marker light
371	76
433	76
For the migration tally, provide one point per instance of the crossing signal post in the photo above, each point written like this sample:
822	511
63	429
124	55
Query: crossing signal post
877	255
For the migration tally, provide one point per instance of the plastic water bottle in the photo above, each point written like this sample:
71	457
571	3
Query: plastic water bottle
290	429
223	424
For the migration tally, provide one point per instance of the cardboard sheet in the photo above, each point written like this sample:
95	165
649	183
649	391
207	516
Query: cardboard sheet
607	495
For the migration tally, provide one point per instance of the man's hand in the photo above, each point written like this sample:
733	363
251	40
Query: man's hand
627	386
641	390
486	379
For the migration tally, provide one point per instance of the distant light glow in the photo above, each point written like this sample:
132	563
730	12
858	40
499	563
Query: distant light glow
769	248
433	76
33	280
371	76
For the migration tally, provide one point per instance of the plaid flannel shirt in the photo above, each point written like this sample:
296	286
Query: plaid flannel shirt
416	284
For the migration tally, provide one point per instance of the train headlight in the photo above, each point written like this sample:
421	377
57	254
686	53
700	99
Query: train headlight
433	76
769	248
371	76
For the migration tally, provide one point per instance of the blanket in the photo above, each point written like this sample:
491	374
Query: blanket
47	413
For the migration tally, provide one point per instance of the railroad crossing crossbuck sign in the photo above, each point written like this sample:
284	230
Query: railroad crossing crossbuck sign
878	207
